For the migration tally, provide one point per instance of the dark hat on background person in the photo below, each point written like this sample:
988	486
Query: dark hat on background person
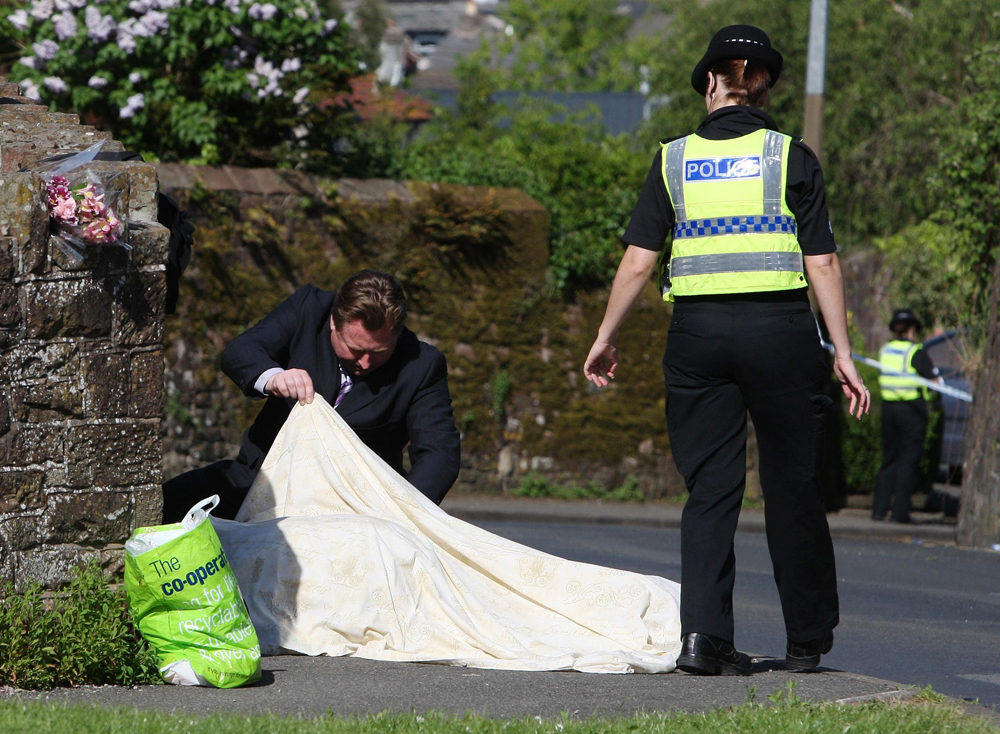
737	42
903	317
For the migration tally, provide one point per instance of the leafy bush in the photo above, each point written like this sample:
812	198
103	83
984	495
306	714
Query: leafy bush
536	486
228	80
968	180
929	275
588	180
862	451
83	636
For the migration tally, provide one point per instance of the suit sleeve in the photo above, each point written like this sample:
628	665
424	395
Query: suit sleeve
435	444
263	346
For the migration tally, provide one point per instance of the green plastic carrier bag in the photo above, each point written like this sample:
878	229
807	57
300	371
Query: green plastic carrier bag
185	601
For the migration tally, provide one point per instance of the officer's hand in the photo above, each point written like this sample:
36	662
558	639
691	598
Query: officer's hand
291	384
853	386
601	362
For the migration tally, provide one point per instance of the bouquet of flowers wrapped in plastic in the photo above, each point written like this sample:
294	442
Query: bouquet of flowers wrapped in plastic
82	204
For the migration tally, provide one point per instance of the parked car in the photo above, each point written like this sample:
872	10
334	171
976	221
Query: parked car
947	351
948	354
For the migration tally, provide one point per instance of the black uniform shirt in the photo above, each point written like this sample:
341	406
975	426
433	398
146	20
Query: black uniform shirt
653	219
923	364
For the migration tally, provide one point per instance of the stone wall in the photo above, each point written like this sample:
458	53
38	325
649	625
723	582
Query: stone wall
473	262
81	362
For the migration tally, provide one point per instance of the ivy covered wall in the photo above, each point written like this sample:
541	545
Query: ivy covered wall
473	263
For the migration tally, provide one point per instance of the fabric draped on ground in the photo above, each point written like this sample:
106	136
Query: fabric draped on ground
336	554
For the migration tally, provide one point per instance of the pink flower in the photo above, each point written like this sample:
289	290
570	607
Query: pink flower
65	211
57	188
103	230
92	204
62	205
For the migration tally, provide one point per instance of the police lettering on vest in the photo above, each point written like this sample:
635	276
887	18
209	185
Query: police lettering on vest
714	169
734	232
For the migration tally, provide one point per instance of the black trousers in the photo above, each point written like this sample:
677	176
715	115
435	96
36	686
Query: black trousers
904	423
228	479
723	358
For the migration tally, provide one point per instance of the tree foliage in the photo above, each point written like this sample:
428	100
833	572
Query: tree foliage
568	46
968	178
369	30
588	180
224	80
928	274
893	83
893	78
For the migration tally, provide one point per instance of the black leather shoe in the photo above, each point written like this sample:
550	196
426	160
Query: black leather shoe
703	654
805	655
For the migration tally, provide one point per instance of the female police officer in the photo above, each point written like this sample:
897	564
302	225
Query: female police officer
745	203
904	416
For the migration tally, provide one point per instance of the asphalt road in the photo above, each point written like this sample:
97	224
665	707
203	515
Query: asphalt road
913	613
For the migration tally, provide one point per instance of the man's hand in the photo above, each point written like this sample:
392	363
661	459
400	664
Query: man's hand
291	384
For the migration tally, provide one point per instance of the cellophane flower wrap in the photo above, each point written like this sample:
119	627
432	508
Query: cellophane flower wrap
82	204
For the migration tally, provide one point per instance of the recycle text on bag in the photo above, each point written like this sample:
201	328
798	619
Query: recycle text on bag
185	601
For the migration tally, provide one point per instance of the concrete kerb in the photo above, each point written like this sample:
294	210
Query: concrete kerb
585	512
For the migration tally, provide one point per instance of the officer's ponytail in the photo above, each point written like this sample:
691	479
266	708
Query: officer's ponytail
747	81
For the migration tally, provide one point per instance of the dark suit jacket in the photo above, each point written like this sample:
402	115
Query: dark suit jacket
404	401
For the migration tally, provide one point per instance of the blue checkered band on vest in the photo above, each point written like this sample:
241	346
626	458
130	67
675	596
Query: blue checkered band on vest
734	225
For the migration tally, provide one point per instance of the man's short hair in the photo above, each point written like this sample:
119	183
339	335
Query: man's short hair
375	299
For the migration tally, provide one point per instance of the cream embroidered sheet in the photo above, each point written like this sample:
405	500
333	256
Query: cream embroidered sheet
337	555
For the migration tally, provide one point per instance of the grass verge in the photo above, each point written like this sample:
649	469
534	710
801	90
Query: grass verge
785	717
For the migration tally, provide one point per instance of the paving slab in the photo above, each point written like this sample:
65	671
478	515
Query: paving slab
314	686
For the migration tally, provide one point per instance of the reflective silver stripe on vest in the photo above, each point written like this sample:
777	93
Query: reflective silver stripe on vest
772	169
736	262
673	166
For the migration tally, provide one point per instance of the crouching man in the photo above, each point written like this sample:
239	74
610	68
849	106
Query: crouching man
350	346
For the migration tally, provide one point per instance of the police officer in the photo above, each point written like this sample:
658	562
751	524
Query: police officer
904	416
747	210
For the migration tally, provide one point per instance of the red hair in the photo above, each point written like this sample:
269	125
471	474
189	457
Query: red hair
748	81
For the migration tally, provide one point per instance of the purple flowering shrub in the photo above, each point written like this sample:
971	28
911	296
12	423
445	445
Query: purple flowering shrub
216	81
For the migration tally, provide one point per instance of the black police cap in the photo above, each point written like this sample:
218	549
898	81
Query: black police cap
737	42
903	317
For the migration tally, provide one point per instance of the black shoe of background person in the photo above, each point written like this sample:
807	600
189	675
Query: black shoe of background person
703	654
806	655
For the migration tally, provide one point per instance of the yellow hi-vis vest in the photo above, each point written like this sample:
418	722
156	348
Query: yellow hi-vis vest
734	233
897	356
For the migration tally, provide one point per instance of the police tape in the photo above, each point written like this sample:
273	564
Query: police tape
953	392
